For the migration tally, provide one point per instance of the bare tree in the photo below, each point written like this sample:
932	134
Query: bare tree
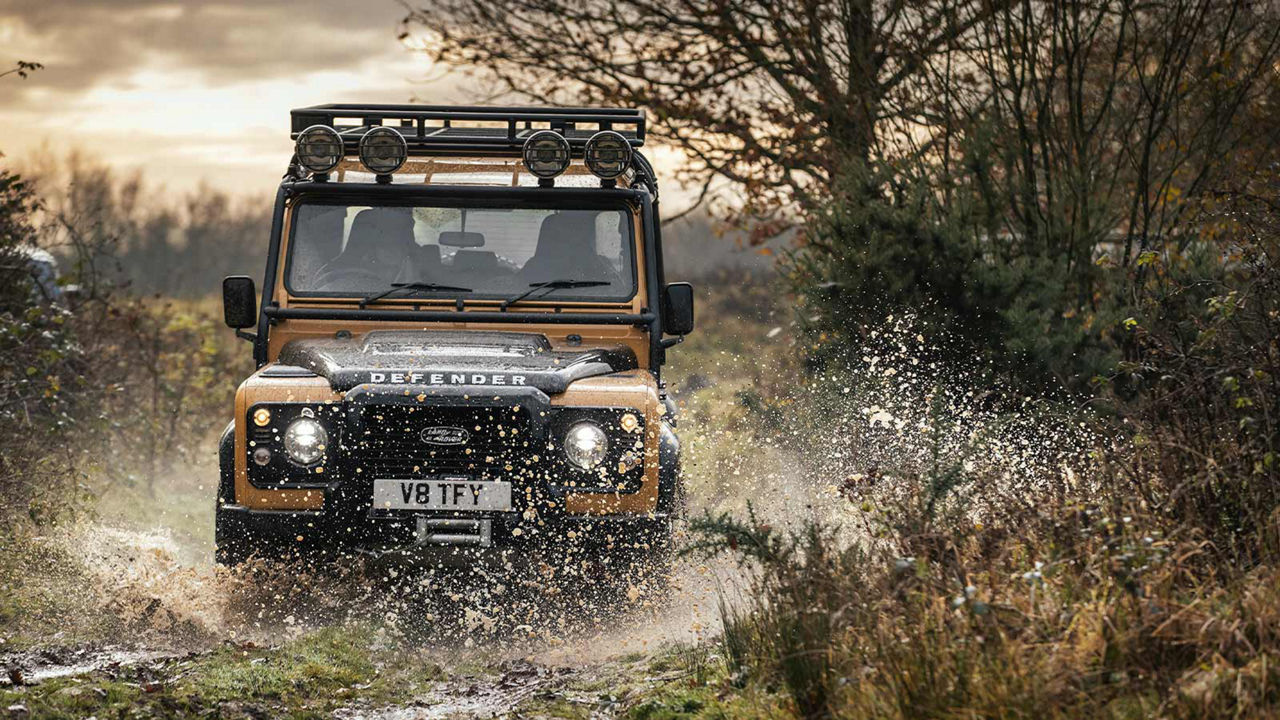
1111	118
777	97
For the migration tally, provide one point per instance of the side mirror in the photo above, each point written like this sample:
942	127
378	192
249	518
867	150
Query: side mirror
239	302
677	309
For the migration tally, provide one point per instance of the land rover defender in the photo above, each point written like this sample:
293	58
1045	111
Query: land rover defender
459	341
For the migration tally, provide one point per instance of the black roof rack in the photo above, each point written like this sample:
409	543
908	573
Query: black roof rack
445	129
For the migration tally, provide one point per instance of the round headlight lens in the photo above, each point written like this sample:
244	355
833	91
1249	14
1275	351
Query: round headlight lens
305	441
546	154
608	154
585	445
383	150
319	148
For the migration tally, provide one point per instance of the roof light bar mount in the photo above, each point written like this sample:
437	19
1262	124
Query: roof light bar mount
475	130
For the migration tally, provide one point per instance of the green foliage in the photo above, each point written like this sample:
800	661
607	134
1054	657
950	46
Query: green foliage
1055	187
1010	301
308	668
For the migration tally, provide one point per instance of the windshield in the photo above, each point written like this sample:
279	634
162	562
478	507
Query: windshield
492	253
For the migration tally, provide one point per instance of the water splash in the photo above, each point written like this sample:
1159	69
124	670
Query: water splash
807	446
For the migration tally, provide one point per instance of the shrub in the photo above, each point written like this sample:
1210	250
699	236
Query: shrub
95	386
992	561
1006	299
1202	371
41	366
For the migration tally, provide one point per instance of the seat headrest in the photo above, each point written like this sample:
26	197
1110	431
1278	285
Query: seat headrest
567	235
389	228
475	261
324	229
429	254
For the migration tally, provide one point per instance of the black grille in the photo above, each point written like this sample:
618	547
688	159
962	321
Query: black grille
494	442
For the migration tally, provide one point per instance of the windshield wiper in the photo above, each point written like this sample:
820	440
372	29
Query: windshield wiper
551	286
415	286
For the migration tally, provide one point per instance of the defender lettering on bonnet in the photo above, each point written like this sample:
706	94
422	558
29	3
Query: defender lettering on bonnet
417	378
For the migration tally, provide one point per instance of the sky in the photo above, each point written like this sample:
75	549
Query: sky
200	91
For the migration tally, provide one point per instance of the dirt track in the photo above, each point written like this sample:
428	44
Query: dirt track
376	642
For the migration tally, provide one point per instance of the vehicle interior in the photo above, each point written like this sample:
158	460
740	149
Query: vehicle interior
347	249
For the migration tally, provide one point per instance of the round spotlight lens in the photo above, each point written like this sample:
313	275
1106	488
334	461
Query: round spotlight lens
585	445
383	150
319	148
261	456
305	440
608	154
261	417
546	154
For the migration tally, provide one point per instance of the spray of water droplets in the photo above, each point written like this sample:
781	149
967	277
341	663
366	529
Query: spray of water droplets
818	445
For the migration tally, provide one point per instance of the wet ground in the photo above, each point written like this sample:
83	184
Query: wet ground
63	684
376	640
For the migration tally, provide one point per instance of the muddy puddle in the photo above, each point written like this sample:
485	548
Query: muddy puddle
31	668
462	696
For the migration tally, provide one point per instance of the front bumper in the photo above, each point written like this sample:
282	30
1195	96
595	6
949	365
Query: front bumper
508	537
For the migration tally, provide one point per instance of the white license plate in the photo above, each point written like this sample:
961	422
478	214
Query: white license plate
459	494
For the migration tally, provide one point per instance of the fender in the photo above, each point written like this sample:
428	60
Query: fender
670	483
672	414
227	466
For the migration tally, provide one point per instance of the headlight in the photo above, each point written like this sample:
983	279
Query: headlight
607	154
319	148
305	441
546	154
383	150
585	445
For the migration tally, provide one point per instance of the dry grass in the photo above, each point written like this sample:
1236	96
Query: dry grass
992	557
1072	614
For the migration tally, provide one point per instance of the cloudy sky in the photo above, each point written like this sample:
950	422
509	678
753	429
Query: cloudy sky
200	89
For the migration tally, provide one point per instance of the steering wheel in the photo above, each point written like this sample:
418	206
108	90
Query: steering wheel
329	277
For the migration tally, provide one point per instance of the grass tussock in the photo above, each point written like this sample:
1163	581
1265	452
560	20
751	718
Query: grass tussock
1081	616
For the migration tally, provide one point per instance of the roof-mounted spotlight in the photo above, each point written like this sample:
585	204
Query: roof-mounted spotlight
319	149
546	155
383	151
607	155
